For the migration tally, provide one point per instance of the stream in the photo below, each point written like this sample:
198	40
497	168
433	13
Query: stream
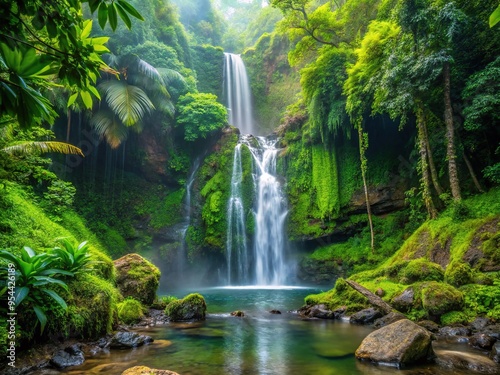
259	343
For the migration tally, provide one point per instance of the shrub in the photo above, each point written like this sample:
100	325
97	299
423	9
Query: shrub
130	311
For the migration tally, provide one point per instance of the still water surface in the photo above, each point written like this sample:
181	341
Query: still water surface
260	343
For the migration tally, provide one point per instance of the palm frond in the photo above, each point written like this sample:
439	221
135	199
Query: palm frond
130	103
34	147
148	70
170	76
107	126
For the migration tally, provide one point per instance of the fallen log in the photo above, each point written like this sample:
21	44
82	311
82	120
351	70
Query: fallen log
372	298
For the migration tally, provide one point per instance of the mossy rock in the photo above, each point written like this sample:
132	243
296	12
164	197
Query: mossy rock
130	311
440	298
192	307
137	278
421	270
458	273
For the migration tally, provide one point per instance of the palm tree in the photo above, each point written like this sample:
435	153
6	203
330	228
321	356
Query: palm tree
130	96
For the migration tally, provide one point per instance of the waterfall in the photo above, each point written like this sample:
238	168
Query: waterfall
237	93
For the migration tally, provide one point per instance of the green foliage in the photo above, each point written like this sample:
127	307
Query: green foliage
130	311
200	115
325	181
453	318
36	279
208	62
59	196
71	258
483	299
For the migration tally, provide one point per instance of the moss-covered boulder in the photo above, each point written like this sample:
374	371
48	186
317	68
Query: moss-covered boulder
191	307
130	311
398	344
440	298
137	278
421	270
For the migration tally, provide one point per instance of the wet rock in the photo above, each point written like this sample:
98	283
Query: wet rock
190	308
127	340
143	370
492	330
238	313
277	312
495	352
137	278
365	316
455	360
398	344
429	325
454	331
482	341
70	356
322	312
388	319
480	323
404	301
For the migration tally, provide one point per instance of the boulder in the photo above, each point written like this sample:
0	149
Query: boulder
277	312
143	370
454	331
192	307
429	325
127	340
482	341
137	278
398	344
322	312
388	319
238	313
480	323
495	352
365	316
404	301
70	356
455	360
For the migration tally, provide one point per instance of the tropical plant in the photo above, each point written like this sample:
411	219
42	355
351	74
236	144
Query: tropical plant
35	279
71	258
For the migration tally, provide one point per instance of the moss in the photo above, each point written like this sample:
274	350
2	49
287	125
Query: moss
191	307
421	270
454	317
440	298
325	181
458	273
92	306
130	311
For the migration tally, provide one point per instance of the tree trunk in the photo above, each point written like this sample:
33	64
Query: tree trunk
372	298
426	194
363	145
472	173
450	136
432	165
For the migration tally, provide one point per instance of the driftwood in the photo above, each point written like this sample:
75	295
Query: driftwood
372	298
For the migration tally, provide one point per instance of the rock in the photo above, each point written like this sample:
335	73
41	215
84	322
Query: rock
192	307
322	312
398	344
440	298
143	370
380	292
455	360
404	301
482	341
454	331
275	312
429	325
365	316
495	352
70	356
480	323
388	319
126	340
137	278
238	313
492	330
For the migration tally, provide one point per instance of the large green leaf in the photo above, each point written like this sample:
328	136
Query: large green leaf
107	126
34	147
130	103
42	318
56	297
495	17
21	294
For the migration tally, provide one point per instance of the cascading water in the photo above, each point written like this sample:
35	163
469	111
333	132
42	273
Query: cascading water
265	263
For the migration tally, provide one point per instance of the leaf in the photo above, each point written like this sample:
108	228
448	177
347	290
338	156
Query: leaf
87	28
42	318
72	99
123	15
102	14
28	251
495	17
87	99
130	9
113	19
21	294
56	298
33	147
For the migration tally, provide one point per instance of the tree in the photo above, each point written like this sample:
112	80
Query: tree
200	114
43	41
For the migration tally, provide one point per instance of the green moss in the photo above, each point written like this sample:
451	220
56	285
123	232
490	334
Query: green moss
130	311
440	298
458	273
341	295
454	317
421	270
325	181
191	307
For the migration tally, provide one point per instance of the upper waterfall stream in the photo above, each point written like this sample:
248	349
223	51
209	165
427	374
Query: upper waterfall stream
264	261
